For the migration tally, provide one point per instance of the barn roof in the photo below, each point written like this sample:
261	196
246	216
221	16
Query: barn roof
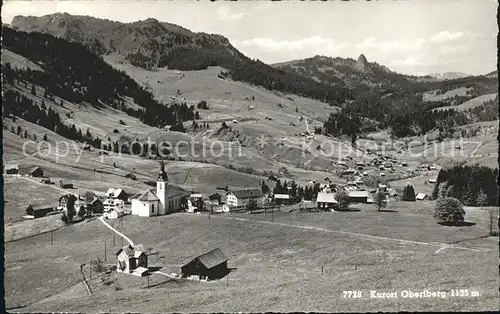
212	258
35	168
282	196
114	192
40	206
358	193
11	166
324	197
248	193
420	196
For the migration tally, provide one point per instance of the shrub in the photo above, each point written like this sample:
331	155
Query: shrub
449	211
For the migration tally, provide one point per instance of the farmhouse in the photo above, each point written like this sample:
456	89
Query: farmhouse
282	199
211	265
165	199
421	196
241	198
66	185
215	198
358	196
12	169
111	204
326	200
38	210
36	172
273	178
115	193
129	258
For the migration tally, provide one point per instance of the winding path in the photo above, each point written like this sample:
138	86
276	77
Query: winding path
116	231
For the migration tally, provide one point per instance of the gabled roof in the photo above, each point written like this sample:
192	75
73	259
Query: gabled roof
35	168
175	191
11	166
420	196
358	193
247	193
281	196
214	196
148	196
40	206
114	192
196	195
324	197
212	258
128	250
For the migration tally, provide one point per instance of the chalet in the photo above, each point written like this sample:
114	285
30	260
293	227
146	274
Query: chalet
341	163
273	178
382	187
115	193
421	196
326	200
95	206
433	167
211	265
358	196
129	258
360	164
241	198
215	198
382	174
111	204
131	176
38	210
36	172
404	164
432	180
326	179
164	200
12	169
65	185
114	214
280	199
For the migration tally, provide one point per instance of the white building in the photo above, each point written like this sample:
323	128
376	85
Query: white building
241	198
164	200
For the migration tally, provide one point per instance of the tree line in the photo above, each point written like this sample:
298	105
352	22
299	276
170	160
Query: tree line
468	184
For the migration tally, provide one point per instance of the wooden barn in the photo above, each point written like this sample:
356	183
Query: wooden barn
36	172
211	265
12	169
39	210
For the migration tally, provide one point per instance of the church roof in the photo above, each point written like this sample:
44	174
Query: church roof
148	196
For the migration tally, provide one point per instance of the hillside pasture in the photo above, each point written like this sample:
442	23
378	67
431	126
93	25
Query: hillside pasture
278	263
469	104
433	96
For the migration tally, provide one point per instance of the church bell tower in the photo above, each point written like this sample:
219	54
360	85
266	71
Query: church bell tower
161	189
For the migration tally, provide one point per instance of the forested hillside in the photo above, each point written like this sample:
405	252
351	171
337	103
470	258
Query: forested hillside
74	73
150	44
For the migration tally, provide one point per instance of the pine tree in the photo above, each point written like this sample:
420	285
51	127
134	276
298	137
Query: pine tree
33	90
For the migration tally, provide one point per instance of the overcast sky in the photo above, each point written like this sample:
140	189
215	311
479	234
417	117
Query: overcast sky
415	37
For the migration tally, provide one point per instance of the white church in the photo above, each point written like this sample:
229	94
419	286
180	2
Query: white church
164	200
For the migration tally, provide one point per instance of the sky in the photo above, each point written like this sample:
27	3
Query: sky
411	37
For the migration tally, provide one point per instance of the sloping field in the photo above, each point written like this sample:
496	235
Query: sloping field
17	61
475	102
432	96
276	266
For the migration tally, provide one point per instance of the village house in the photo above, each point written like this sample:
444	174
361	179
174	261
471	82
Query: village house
215	198
272	177
211	265
65	185
326	200
12	169
38	210
358	196
420	196
111	204
36	172
164	200
282	199
241	198
129	259
115	193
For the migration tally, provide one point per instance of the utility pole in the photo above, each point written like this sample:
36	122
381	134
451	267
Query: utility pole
90	269
51	242
105	251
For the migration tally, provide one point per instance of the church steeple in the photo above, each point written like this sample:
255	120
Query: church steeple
162	176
